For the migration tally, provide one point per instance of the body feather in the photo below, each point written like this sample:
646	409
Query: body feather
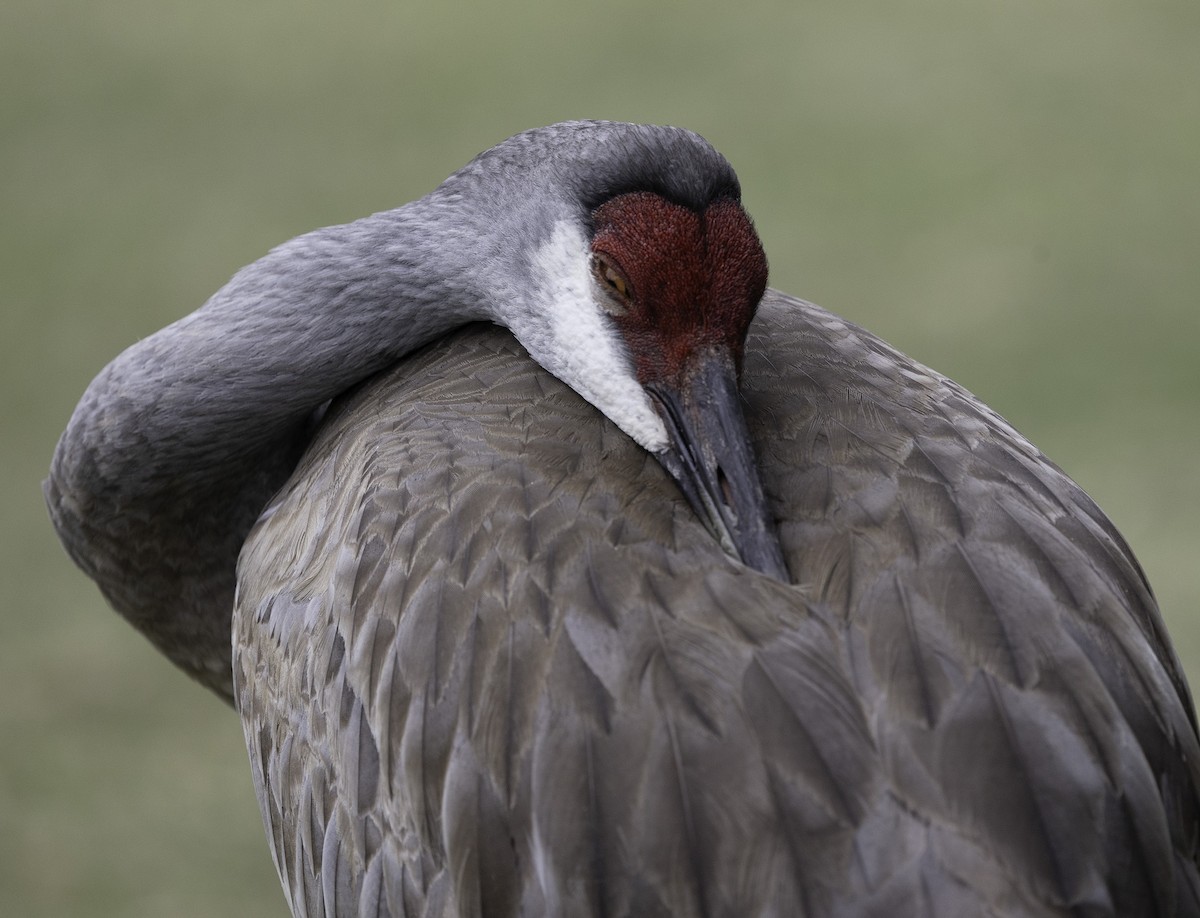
490	664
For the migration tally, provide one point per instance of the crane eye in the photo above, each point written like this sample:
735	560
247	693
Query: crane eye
612	283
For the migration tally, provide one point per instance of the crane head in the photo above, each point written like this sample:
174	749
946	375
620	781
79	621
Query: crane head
681	287
677	283
639	274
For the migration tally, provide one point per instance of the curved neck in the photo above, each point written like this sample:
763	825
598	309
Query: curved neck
178	444
310	319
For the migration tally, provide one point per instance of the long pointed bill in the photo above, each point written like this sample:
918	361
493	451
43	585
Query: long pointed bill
711	458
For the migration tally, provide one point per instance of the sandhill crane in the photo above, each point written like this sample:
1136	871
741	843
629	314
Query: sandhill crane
488	659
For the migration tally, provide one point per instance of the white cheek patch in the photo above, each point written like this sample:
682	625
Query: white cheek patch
568	333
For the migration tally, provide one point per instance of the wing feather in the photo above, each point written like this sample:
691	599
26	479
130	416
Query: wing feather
490	664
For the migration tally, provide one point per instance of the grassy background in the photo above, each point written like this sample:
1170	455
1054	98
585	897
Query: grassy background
1007	191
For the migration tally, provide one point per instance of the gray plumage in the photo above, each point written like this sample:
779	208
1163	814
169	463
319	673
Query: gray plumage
489	662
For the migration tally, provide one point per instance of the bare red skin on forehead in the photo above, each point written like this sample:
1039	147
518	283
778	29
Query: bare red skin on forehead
695	279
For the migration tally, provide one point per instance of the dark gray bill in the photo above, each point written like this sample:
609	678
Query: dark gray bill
711	458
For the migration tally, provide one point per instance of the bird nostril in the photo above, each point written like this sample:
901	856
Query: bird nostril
726	493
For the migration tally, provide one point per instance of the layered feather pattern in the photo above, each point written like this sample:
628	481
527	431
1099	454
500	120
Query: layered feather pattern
490	664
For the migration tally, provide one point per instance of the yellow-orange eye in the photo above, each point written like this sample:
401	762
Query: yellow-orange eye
613	283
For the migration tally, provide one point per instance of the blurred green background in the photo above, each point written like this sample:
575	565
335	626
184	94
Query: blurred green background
1008	191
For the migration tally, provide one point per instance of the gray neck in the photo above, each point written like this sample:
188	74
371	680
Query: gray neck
312	318
179	443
